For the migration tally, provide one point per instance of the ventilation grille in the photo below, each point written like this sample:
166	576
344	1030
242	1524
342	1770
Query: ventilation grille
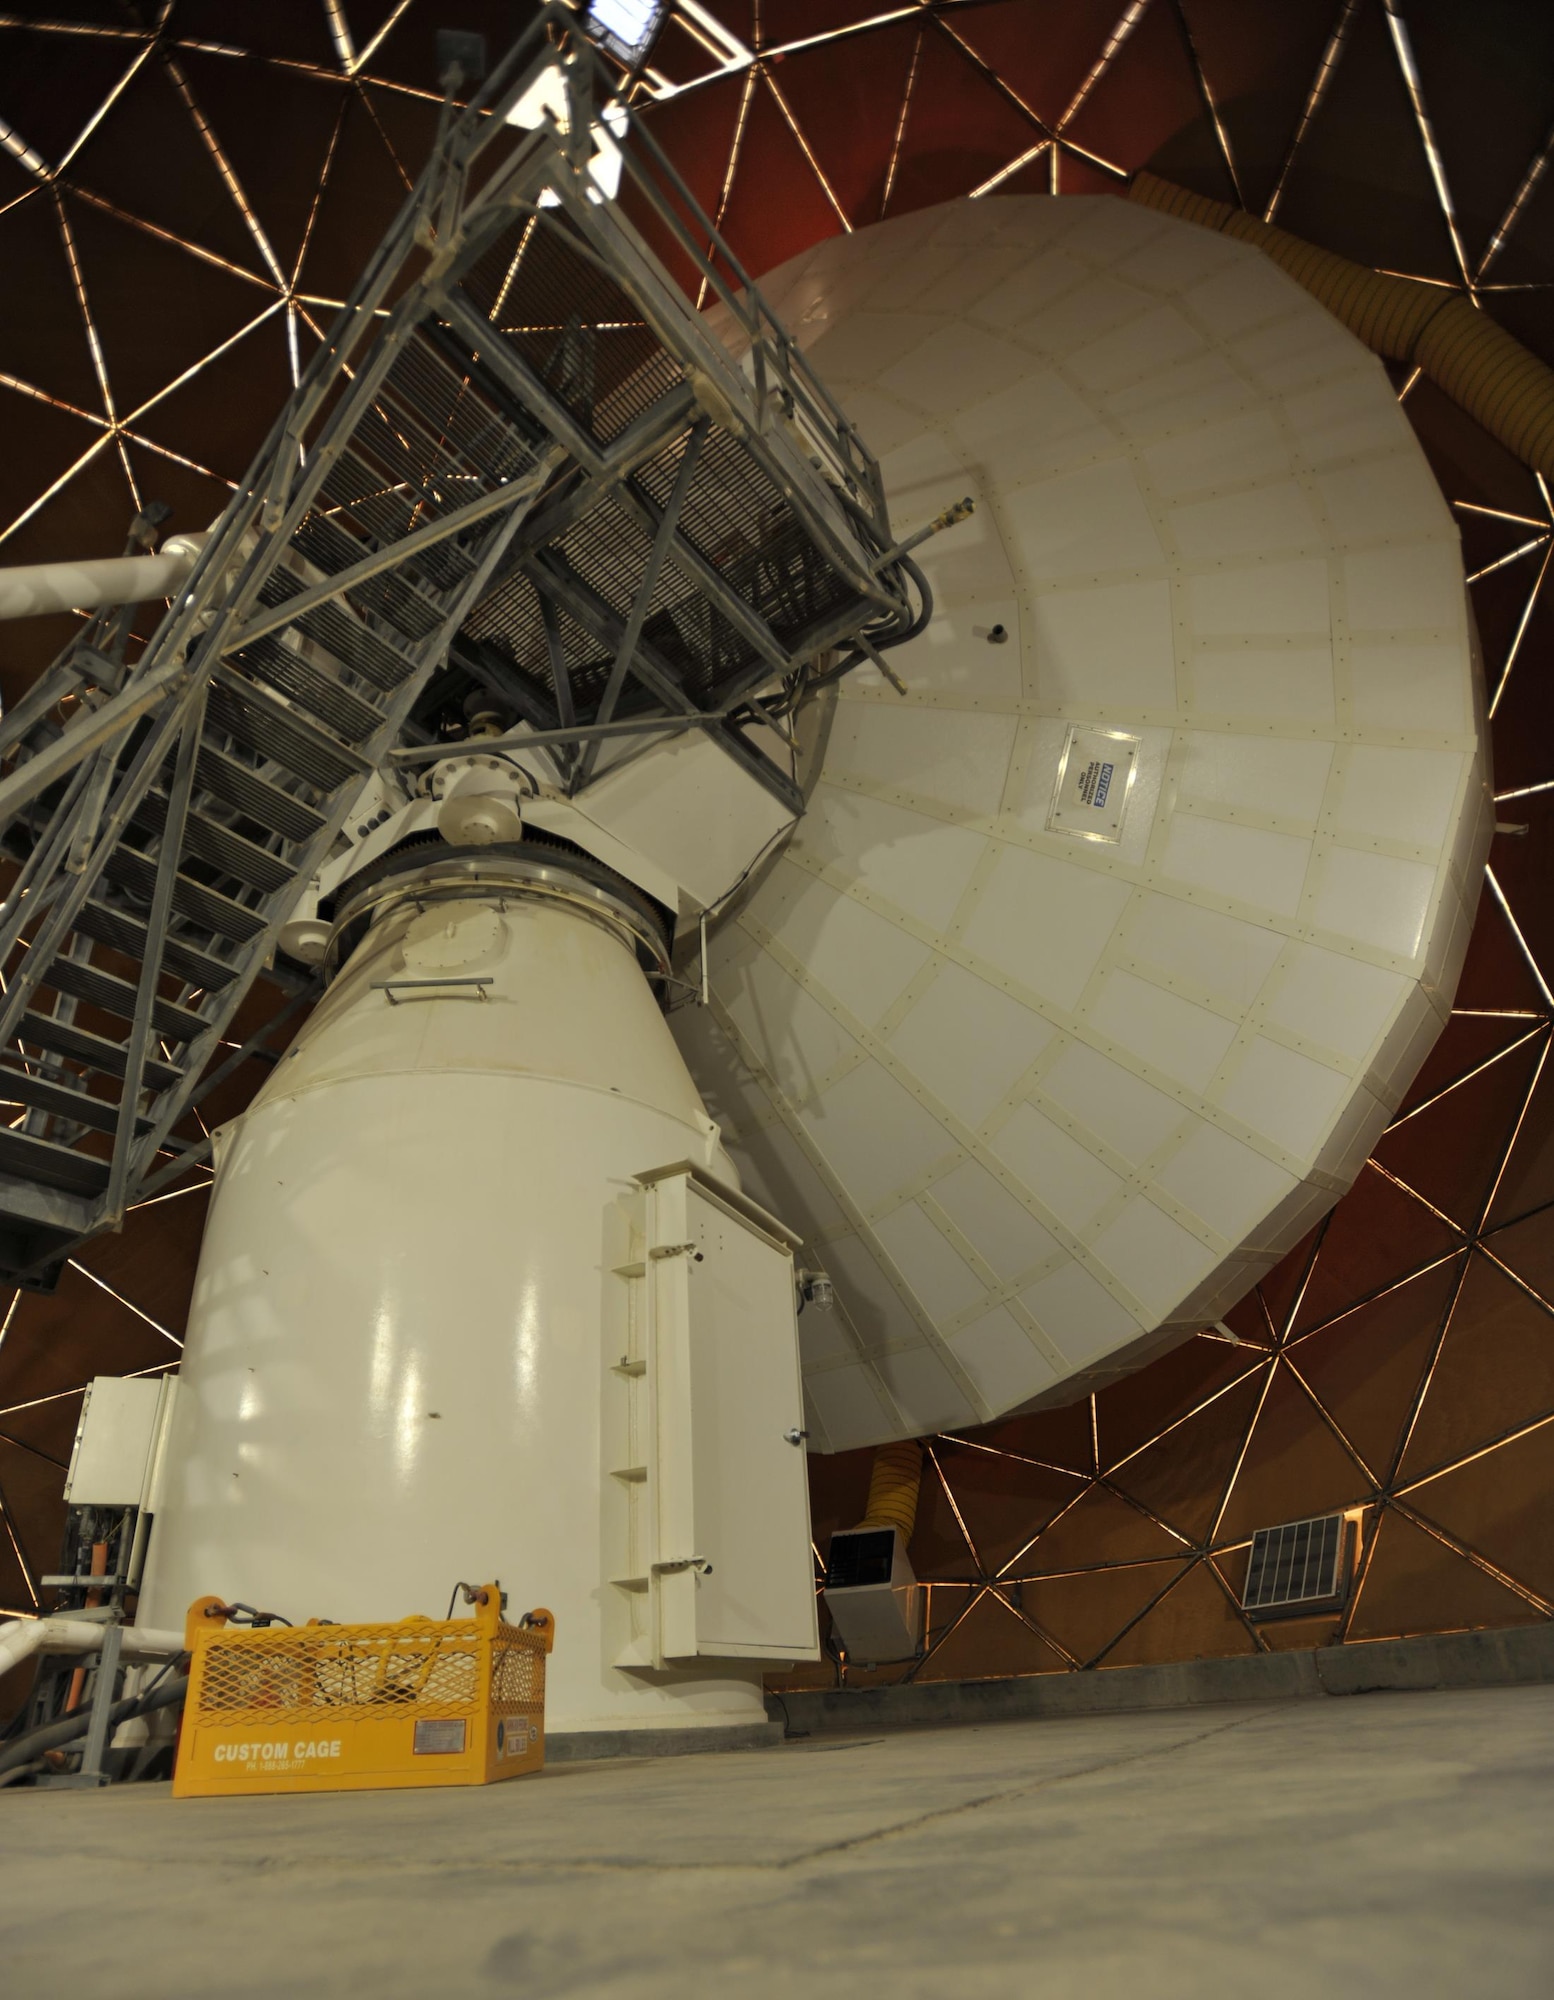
857	1558
1300	1566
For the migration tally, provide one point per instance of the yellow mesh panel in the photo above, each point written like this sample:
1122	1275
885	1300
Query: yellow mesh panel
313	1673
517	1676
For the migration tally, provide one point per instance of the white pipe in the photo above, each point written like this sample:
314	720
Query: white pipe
36	589
21	1639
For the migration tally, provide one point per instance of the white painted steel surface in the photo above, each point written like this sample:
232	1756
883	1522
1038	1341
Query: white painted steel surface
1043	1104
20	1638
35	590
735	1482
393	1377
111	1457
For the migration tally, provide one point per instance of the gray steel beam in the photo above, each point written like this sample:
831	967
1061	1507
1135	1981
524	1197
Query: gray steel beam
312	852
179	795
98	726
626	650
277	617
578	732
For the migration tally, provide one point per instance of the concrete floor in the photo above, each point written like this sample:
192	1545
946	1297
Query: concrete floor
1384	1844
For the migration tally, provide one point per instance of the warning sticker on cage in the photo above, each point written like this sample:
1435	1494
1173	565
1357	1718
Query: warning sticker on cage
513	1738
439	1736
1095	776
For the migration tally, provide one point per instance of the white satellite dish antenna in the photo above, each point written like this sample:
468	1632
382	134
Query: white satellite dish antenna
1103	954
1086	980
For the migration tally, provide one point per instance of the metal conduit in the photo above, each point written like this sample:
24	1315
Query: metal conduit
1485	370
38	589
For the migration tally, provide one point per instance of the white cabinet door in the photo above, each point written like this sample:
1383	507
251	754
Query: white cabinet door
734	1572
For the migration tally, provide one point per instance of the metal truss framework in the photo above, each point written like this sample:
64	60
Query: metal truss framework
513	395
1481	1233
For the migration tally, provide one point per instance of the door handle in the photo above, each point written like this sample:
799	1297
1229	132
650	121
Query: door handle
795	1436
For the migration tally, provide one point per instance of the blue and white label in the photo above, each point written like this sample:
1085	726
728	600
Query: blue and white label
1094	778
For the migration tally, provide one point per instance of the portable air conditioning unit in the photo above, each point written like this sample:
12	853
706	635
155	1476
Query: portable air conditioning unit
875	1601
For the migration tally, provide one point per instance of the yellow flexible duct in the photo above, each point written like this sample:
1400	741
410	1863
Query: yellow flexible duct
893	1484
1484	369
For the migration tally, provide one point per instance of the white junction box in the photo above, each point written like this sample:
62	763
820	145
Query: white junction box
118	1452
875	1601
707	1491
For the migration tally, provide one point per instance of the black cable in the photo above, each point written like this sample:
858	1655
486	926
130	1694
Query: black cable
157	1679
789	1733
728	895
925	592
882	642
53	1734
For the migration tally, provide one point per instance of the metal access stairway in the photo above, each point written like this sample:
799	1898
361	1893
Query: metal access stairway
194	829
165	817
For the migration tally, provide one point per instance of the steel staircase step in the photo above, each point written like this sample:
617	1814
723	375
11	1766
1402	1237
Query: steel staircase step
341	629
49	1165
50	1094
393	596
108	1058
205	906
254	796
217	844
126	932
317	689
260	722
117	996
357	646
440	567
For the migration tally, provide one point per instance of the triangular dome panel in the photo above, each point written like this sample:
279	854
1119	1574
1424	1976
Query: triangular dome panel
1087	1615
43	338
1148	110
1182	1479
1099	1528
1142	1407
1194	1620
1451	1152
159	155
1381	1234
1502	1507
1046	49
1414	1583
1468	1042
1366	113
960	130
1366	1368
1495	1372
991	1642
1260	95
847	102
282	164
1004	1501
1294	1466
770	156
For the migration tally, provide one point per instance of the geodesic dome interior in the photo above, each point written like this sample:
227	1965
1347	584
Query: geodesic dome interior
187	190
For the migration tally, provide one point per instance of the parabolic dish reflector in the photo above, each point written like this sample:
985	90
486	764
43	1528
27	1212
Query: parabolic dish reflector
1104	954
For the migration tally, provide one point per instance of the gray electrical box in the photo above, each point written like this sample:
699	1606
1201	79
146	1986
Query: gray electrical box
117	1454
